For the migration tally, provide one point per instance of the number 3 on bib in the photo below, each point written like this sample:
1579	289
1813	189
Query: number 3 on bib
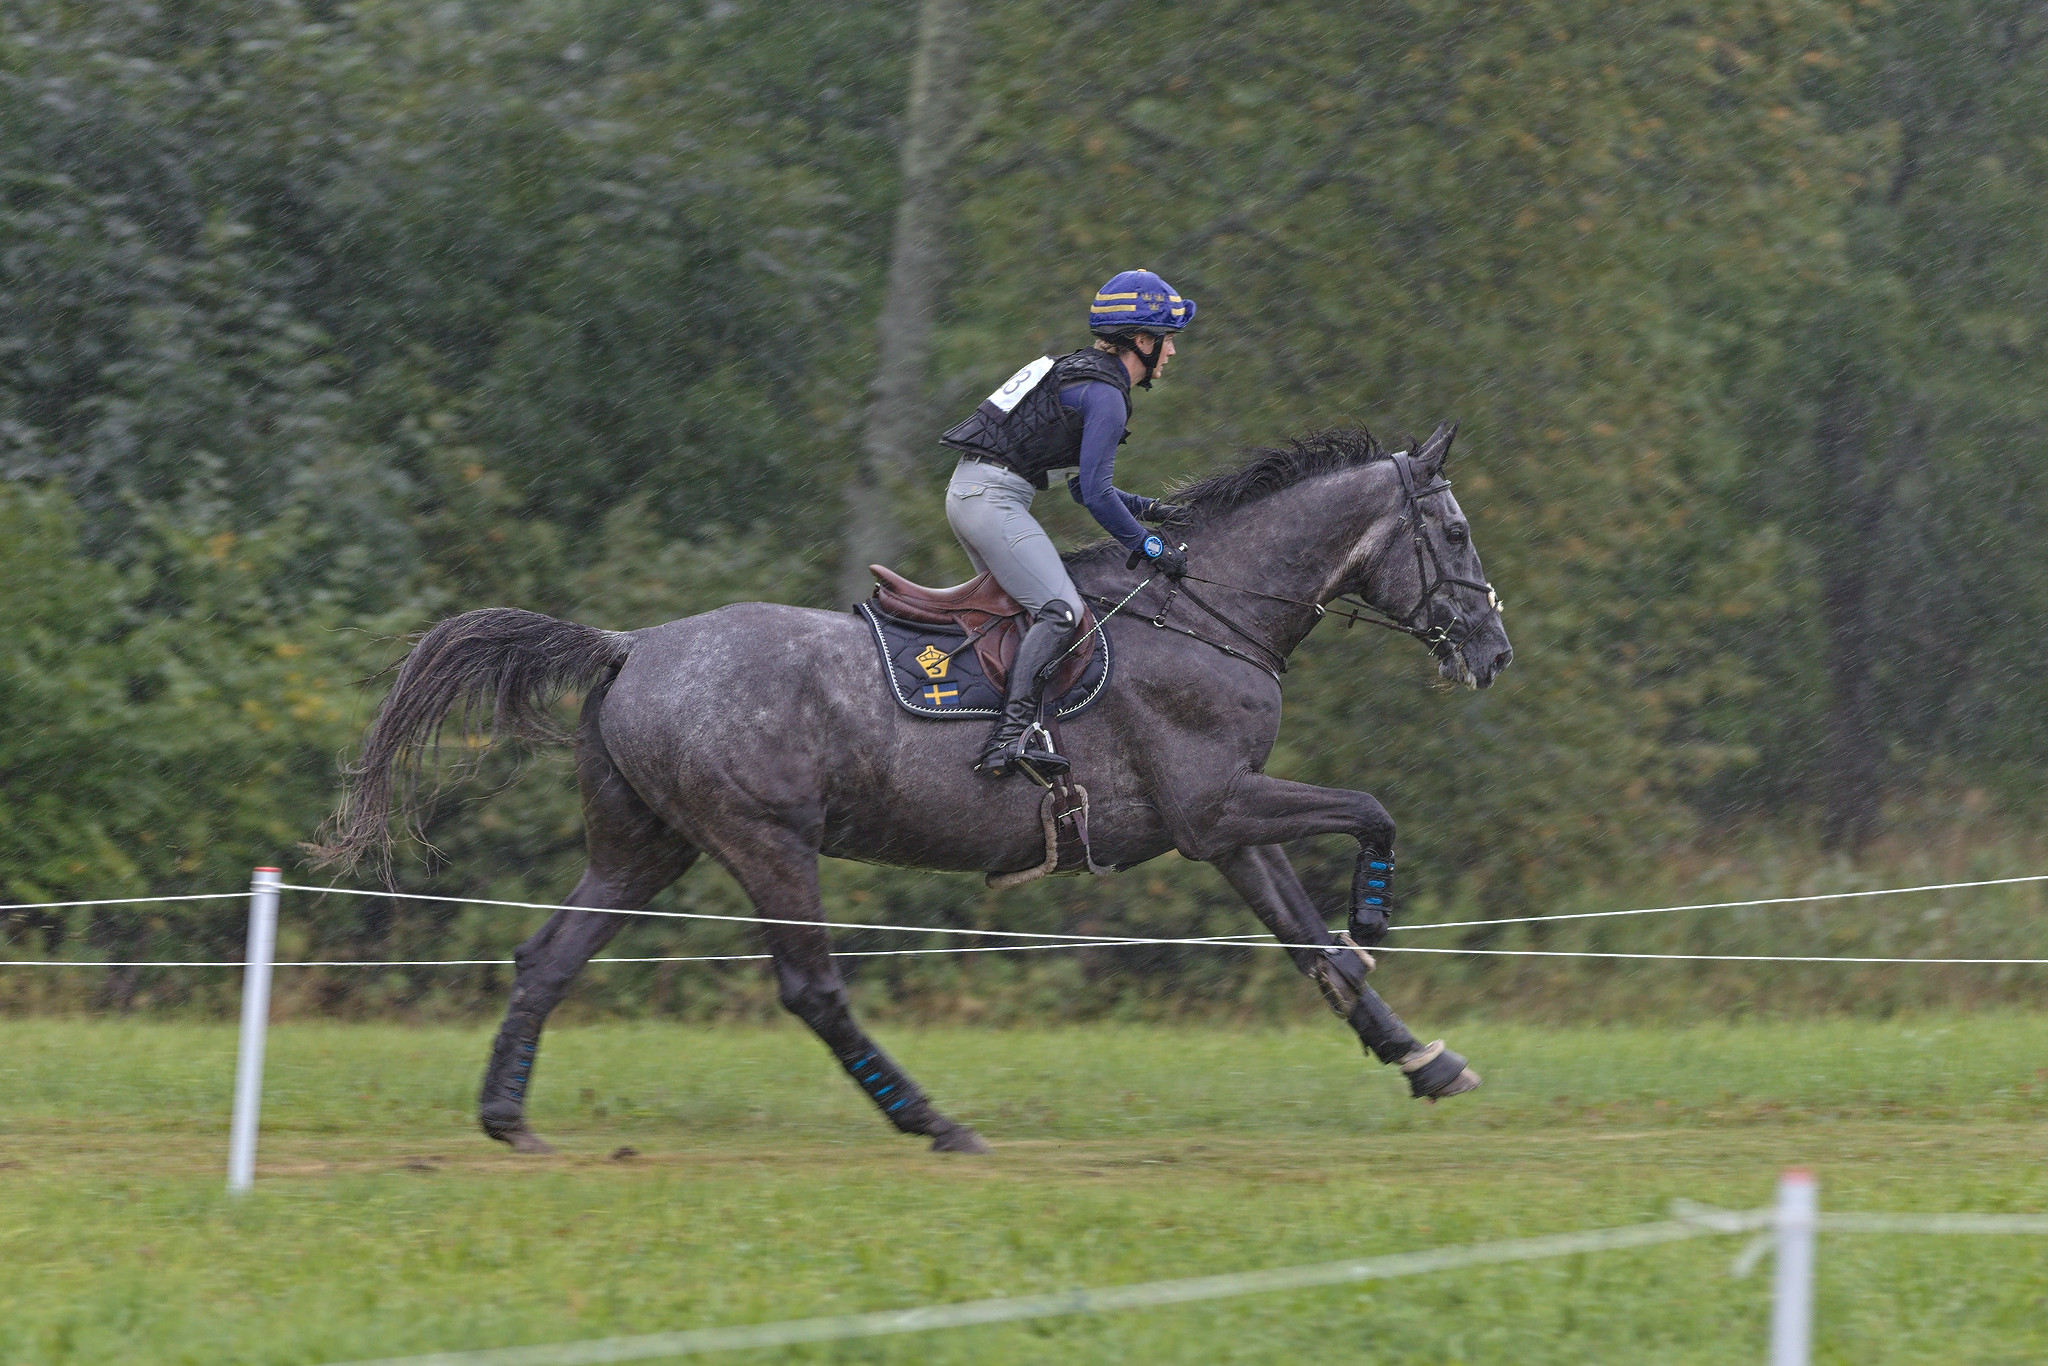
1018	385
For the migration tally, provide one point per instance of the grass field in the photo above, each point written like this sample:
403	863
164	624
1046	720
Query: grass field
761	1187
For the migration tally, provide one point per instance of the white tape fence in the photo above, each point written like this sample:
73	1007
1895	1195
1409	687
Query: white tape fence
1792	1225
1789	1230
1041	940
267	884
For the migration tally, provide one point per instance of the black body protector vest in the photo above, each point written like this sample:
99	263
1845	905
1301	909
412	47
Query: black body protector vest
1023	427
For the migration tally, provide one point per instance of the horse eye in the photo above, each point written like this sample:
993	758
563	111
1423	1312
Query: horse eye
1455	534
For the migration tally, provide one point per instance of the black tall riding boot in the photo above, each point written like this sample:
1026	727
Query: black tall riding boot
1007	746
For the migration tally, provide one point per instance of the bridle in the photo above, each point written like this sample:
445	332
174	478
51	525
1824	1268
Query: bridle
1443	640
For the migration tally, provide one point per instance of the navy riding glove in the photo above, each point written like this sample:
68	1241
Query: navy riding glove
1169	560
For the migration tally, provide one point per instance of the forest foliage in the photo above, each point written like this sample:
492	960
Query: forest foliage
320	321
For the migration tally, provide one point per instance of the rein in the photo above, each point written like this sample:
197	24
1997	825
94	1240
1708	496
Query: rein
1276	668
1430	574
1159	620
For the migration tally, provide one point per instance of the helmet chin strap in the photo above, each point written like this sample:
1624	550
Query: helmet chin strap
1151	361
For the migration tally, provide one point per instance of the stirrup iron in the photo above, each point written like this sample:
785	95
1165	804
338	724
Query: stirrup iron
1041	766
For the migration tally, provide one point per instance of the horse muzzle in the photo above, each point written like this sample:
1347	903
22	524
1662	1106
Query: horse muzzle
1483	676
1476	663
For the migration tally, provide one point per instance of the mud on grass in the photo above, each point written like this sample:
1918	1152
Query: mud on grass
717	1177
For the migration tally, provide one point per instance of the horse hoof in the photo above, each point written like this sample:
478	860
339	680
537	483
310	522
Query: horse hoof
1467	1080
522	1140
1436	1073
959	1139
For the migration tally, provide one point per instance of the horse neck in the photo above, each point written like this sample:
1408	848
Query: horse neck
1291	544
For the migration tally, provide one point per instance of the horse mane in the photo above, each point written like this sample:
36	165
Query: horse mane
1266	471
1274	468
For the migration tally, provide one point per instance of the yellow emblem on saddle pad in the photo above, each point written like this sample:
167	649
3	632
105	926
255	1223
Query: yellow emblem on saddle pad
934	661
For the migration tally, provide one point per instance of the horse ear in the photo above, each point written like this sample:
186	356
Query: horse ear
1435	451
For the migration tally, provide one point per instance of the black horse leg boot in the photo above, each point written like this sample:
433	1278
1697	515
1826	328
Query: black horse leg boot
1009	744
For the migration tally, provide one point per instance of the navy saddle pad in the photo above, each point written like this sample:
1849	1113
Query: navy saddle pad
933	671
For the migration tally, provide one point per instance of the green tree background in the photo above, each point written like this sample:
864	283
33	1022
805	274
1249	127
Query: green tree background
320	321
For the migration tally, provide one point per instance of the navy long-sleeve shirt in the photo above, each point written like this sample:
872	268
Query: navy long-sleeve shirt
1103	412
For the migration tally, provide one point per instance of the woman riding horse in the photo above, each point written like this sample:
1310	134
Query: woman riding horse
680	757
1055	413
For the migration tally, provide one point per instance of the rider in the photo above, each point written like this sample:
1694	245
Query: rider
1055	413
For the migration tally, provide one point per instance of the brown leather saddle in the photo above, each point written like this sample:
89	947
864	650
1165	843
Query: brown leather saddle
990	617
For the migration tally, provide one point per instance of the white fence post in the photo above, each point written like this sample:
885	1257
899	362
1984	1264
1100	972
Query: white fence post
256	958
1797	1218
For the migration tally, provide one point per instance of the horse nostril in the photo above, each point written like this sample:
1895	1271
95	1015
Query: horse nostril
1503	659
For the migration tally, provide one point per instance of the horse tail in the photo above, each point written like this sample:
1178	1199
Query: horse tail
494	671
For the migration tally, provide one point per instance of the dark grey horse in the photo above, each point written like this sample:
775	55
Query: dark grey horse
679	754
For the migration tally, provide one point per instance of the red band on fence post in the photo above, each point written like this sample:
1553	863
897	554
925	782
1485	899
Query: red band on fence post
1796	1219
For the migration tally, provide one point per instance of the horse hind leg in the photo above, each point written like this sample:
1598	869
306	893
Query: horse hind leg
780	876
633	855
547	964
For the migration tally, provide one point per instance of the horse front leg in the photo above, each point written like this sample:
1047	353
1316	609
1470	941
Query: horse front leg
1257	810
1262	875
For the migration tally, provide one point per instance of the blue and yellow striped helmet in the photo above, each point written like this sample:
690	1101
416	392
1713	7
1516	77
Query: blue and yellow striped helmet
1139	301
